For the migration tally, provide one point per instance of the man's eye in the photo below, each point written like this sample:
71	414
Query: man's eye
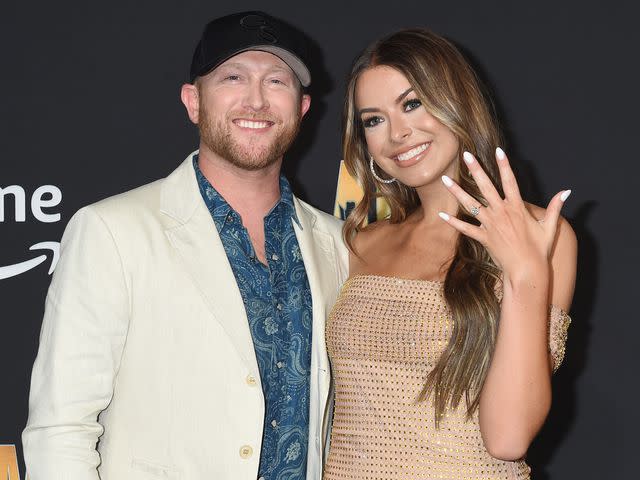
233	78
371	121
277	81
411	104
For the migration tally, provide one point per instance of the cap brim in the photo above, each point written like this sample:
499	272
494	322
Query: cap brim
299	68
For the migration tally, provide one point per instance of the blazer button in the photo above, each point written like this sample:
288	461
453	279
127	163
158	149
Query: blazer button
246	451
251	380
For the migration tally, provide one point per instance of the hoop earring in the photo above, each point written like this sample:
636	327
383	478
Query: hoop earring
375	175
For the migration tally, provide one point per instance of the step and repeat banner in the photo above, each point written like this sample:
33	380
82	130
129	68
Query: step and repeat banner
91	108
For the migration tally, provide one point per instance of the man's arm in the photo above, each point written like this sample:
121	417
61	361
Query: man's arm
81	342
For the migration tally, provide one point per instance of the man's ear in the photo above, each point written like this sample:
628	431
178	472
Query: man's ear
191	100
305	103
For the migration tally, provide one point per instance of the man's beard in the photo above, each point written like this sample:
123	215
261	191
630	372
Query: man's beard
219	139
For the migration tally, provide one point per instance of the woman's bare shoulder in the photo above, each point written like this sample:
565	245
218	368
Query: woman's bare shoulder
563	259
564	234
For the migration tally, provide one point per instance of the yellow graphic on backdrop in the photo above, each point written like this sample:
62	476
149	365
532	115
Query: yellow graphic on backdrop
9	463
349	193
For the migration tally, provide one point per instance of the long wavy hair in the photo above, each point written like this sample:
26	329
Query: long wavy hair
449	90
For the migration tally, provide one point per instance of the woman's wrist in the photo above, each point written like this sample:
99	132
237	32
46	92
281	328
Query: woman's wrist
534	276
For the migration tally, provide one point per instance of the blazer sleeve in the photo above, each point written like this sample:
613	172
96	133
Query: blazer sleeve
81	342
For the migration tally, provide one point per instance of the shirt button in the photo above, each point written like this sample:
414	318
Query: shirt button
274	424
275	257
246	451
251	380
260	478
279	306
280	364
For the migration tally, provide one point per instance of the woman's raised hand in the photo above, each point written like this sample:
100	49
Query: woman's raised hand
516	241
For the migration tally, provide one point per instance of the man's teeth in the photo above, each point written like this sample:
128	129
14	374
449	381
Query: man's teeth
248	124
413	152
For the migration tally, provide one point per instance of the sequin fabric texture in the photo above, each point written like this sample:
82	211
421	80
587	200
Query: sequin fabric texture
277	299
384	336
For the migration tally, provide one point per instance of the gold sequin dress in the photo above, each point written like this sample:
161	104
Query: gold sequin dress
384	336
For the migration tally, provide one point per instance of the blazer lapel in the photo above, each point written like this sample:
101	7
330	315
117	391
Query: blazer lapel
318	252
202	254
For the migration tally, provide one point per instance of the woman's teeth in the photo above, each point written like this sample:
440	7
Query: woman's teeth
412	153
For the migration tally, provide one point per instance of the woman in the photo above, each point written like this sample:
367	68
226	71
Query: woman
445	336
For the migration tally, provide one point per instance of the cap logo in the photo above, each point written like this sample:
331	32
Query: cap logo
257	22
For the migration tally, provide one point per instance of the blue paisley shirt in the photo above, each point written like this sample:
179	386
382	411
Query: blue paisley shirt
277	299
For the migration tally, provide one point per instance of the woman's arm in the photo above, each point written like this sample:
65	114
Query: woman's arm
536	251
516	396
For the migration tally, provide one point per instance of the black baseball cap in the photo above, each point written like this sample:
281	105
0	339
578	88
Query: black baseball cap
227	36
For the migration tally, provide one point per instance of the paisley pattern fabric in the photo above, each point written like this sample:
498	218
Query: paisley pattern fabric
277	299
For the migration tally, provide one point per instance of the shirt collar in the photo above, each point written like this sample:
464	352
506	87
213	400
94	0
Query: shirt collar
220	209
286	200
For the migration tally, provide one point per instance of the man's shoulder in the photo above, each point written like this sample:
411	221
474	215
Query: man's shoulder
148	198
117	217
141	197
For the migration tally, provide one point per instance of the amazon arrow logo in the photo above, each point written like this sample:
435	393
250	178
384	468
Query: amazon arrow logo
19	268
43	199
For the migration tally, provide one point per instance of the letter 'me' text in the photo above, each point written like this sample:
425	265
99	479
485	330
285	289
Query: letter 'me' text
44	197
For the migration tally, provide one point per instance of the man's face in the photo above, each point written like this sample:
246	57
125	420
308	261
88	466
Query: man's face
249	109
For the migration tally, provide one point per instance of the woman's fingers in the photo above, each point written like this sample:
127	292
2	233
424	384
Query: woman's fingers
503	222
463	227
482	180
509	183
469	203
552	214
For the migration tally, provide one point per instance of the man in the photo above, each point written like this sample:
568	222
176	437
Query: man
183	336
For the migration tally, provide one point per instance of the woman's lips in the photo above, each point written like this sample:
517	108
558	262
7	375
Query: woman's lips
412	155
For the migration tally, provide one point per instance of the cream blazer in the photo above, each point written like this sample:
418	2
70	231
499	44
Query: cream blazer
146	367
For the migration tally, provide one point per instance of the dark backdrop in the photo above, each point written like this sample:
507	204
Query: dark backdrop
89	104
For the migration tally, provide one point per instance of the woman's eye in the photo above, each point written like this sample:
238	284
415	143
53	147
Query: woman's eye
411	104
371	121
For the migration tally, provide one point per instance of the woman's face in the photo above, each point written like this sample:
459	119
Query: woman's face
405	140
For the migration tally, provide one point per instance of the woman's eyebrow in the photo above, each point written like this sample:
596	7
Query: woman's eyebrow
404	94
398	100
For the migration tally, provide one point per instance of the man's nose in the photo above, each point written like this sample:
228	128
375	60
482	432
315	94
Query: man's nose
256	98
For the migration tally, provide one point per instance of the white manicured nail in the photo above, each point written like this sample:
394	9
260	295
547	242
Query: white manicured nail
565	195
444	216
500	154
447	181
468	158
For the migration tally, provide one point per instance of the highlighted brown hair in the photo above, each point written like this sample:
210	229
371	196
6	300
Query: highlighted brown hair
450	91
